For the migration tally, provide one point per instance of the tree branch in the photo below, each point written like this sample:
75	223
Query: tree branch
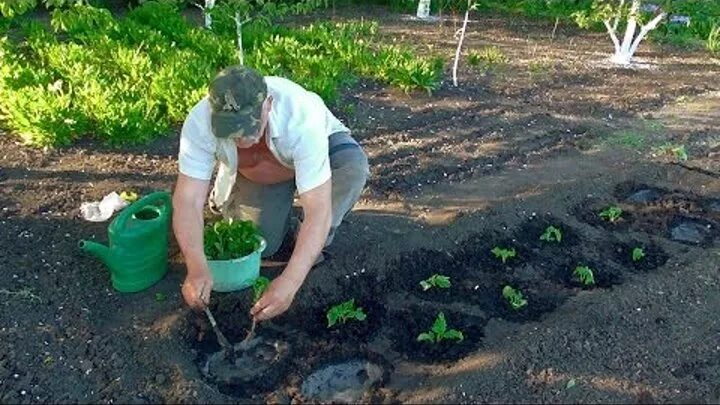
644	31
613	35
459	47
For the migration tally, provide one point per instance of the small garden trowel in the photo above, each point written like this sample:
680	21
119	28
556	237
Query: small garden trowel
226	346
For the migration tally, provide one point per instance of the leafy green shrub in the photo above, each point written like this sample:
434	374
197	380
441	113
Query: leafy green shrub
229	239
487	58
343	312
128	80
439	332
713	41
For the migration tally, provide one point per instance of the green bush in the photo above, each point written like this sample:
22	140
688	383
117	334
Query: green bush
127	81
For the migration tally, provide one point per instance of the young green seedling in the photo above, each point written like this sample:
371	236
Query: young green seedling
638	254
611	214
261	284
436	280
551	234
585	275
503	254
439	332
514	298
344	312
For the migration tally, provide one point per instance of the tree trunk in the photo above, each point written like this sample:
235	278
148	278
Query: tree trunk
209	4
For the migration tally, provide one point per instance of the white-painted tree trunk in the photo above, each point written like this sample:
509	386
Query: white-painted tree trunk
209	4
459	45
423	10
238	30
625	50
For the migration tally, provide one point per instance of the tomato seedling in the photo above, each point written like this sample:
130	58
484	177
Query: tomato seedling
611	214
343	312
551	234
638	254
585	275
503	254
259	286
439	332
436	280
514	298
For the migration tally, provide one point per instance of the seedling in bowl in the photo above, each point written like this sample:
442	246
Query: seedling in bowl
514	298
437	281
503	254
638	254
343	312
551	234
261	284
439	332
611	214
585	275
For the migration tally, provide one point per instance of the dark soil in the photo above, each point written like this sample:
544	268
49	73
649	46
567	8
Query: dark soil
644	332
654	257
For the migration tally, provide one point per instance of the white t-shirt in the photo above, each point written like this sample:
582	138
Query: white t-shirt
299	122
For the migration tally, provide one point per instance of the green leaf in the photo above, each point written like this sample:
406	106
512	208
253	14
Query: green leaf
503	254
638	254
551	234
440	324
426	337
261	284
341	313
436	280
585	275
514	298
160	297
611	214
454	334
442	281
571	383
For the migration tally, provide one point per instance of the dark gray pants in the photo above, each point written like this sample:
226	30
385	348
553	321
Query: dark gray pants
270	206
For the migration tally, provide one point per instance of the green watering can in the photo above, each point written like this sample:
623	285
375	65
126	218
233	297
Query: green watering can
138	252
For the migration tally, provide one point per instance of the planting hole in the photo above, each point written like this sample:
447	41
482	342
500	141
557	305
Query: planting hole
345	382
256	367
692	231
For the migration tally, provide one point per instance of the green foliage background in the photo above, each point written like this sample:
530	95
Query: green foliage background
128	80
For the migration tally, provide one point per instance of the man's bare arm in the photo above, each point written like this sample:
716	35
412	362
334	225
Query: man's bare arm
188	204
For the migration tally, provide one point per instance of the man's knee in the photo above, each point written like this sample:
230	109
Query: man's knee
354	172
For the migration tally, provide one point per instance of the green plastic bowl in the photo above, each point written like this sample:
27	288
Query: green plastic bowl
236	274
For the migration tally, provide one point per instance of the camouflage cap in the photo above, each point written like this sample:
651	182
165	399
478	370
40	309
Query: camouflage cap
236	97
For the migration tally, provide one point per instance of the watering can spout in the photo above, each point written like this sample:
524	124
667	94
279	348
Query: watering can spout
102	252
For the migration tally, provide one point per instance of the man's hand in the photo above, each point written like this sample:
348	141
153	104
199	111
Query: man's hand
196	290
276	299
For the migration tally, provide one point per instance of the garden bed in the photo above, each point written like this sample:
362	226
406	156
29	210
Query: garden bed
641	333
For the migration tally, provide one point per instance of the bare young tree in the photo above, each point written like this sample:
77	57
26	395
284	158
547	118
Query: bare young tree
460	36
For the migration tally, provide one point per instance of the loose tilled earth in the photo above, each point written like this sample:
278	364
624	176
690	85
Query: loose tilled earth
550	139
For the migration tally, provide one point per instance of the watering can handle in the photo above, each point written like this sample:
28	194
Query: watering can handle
150	199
